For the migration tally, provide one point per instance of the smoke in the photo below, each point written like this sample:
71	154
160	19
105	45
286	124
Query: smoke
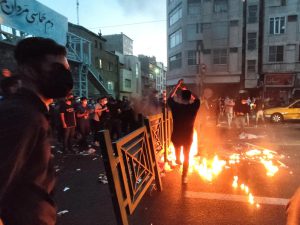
154	8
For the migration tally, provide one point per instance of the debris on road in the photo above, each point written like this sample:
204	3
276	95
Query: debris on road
66	189
102	178
62	212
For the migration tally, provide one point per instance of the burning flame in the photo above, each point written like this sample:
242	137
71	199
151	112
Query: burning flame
209	169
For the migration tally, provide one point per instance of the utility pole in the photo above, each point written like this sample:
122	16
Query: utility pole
77	8
244	35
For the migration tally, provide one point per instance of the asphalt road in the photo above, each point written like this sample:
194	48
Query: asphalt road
201	201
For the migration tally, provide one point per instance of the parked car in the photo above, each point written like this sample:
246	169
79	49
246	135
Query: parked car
279	114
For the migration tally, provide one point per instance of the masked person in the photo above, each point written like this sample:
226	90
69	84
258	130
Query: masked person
26	169
83	122
184	112
68	121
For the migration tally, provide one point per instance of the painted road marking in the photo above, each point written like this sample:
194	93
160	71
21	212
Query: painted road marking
236	198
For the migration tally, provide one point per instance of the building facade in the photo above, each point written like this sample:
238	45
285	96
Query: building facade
120	43
103	66
281	49
130	75
228	45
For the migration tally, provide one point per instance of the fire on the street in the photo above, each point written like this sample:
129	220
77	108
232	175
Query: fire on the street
210	168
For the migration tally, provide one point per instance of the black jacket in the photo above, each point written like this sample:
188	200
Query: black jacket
26	170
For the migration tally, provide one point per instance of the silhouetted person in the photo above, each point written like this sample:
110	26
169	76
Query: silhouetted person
26	171
184	114
9	86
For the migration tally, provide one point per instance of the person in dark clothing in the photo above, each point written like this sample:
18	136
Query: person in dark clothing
83	122
68	121
26	171
127	116
115	119
9	86
184	114
240	111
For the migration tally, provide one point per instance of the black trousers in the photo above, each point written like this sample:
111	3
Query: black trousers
69	133
186	154
84	130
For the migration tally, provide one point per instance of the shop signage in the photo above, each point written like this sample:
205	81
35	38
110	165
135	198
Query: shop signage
279	80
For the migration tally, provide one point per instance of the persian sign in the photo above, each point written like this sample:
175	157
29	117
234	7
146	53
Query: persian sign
34	18
279	80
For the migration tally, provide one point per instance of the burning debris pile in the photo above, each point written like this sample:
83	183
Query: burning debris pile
209	168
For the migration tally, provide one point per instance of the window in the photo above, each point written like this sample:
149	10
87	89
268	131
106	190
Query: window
175	15
100	63
175	38
110	66
277	25
136	70
251	65
110	85
192	58
234	23
292	18
96	44
251	41
252	13
220	56
175	61
283	2
276	53
194	7
127	83
206	51
233	50
220	6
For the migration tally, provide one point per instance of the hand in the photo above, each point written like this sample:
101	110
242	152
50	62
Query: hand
64	125
180	82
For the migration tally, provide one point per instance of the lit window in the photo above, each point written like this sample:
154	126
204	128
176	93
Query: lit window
100	63
110	85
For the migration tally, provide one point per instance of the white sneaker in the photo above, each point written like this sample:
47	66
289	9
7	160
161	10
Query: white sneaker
185	180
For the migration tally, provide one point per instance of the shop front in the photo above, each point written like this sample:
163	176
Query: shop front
278	87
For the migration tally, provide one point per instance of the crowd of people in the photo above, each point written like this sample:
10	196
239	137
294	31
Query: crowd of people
28	117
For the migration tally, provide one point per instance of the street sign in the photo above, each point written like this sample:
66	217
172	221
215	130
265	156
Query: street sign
34	18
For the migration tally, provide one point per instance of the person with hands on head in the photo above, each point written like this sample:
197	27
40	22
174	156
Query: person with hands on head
184	111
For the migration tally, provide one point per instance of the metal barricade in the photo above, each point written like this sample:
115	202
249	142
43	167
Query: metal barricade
131	167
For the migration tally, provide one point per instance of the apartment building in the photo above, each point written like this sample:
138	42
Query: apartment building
229	45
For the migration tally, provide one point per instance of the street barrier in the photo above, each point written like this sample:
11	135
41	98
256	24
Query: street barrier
131	167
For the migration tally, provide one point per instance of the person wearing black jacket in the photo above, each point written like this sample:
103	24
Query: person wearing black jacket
26	170
184	113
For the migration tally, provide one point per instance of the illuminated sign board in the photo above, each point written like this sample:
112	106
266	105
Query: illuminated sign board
34	18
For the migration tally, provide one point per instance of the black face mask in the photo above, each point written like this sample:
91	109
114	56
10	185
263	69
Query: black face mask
56	83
